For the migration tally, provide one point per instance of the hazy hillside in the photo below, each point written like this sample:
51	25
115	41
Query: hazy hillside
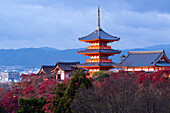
37	56
33	57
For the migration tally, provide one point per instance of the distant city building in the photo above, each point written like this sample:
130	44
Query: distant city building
10	76
145	61
29	71
12	73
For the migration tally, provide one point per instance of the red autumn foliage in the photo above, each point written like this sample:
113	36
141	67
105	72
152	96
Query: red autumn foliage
4	87
30	86
10	102
37	85
159	78
66	81
128	92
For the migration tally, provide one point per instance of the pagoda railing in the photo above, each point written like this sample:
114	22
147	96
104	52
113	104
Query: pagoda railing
98	47
99	60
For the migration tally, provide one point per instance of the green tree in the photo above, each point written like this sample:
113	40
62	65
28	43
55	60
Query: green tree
78	81
32	105
59	92
100	75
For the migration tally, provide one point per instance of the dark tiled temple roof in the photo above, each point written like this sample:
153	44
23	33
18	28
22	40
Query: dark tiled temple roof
67	66
143	58
99	50
99	33
46	69
97	64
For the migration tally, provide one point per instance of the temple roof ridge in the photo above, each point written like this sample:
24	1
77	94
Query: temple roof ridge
48	66
67	63
145	52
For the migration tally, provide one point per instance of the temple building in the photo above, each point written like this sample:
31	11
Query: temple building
98	51
63	70
46	71
145	61
60	71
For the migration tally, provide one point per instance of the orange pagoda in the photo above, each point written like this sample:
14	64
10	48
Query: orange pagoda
98	51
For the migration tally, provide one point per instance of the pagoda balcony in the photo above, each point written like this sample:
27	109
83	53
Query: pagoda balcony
99	60
98	47
105	60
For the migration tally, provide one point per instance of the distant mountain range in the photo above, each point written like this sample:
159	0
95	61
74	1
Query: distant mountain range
35	57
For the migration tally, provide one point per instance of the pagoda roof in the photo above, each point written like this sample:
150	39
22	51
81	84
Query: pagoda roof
99	34
144	58
99	50
97	64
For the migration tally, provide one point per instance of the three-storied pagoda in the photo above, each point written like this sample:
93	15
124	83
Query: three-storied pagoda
99	51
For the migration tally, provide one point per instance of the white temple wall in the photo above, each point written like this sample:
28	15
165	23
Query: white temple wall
62	75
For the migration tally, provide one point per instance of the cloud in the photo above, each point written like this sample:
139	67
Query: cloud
138	29
59	24
149	5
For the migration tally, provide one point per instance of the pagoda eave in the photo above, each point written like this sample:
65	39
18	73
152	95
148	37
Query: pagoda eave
96	40
97	64
89	54
93	66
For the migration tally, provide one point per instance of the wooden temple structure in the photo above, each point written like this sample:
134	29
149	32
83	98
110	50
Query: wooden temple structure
63	70
152	61
98	51
46	71
60	71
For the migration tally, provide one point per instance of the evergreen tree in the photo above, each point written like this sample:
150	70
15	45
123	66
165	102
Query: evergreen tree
59	92
32	105
78	80
100	75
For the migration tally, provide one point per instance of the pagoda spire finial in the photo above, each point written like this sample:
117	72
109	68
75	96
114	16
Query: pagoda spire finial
98	16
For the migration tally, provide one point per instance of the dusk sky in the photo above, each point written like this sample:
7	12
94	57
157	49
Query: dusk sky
59	23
